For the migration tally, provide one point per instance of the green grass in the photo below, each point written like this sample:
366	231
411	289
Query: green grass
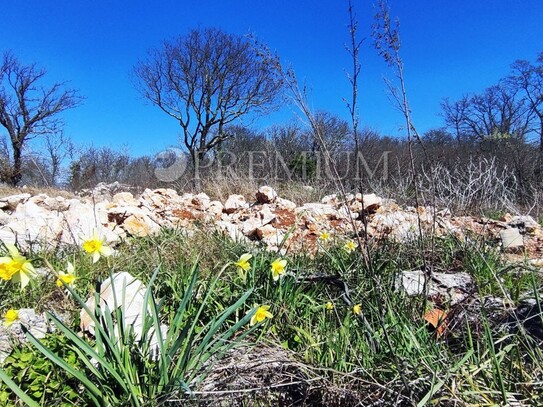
387	353
494	214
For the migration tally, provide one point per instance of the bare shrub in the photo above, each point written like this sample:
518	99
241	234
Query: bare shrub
476	185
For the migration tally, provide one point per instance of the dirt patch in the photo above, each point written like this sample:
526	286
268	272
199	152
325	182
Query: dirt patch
266	375
284	219
185	214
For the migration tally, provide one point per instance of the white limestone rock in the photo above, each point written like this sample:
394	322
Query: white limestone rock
201	201
113	290
329	199
283	203
453	286
82	218
233	203
231	230
215	208
124	199
371	202
36	324
266	195
140	225
30	223
318	210
11	202
159	199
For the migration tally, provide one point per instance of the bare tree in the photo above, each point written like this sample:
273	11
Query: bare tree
57	148
206	80
96	165
4	158
333	131
454	114
528	78
28	110
496	112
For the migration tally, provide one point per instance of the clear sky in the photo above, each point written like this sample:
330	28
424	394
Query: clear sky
449	48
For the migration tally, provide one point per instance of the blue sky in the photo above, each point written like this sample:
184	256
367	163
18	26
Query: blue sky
449	48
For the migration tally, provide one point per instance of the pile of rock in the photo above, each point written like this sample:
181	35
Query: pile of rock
276	222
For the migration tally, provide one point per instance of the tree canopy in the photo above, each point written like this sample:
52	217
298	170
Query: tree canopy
28	109
206	80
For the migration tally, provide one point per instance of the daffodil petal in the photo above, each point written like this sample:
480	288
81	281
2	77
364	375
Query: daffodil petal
28	268
21	277
106	251
10	317
70	268
245	257
12	250
95	257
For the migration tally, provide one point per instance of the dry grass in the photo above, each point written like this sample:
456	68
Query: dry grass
297	192
7	191
266	375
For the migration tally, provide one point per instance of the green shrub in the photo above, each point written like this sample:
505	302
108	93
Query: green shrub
42	380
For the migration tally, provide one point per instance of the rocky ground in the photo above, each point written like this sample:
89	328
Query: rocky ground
277	223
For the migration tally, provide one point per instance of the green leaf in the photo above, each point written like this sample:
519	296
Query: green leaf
85	347
17	390
26	357
94	391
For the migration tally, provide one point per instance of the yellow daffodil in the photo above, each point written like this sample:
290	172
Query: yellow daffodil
329	305
95	246
324	236
7	270
278	268
243	262
10	317
357	309
261	314
350	246
16	267
67	278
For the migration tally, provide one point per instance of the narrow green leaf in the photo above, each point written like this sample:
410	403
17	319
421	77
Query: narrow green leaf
84	346
94	391
17	390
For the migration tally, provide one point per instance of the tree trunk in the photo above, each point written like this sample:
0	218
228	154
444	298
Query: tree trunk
55	169
541	134
540	146
16	171
197	159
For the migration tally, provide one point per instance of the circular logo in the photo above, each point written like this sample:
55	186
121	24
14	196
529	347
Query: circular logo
170	164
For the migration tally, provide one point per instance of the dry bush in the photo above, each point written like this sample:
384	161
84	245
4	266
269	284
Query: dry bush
222	188
478	185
